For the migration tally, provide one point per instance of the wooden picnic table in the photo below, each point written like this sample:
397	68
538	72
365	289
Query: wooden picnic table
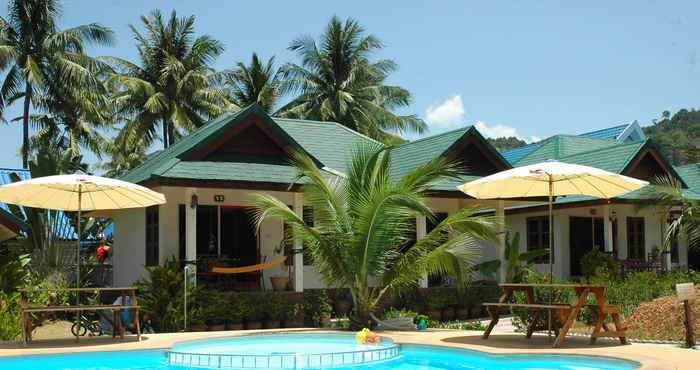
115	321
566	313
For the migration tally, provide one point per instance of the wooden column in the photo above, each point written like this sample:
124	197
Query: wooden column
191	226
298	246
421	231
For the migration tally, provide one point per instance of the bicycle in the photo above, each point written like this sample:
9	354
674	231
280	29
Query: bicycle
84	324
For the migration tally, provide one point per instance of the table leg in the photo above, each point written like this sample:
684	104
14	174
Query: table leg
114	324
619	328
533	324
494	312
137	317
583	295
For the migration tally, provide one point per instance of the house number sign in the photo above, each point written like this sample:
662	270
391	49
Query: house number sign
218	198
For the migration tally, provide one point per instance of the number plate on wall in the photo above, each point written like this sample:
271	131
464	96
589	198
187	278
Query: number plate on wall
218	198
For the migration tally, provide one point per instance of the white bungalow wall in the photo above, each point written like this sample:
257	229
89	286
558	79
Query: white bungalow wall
653	233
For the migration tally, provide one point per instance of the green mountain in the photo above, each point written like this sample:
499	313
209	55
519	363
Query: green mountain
506	143
677	136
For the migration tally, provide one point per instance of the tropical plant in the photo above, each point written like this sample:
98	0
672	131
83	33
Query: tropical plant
363	226
255	83
599	263
338	81
667	193
161	294
34	51
127	151
518	264
14	273
173	87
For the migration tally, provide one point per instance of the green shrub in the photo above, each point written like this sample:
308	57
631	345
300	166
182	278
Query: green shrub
599	263
239	308
10	327
161	295
316	306
395	313
275	306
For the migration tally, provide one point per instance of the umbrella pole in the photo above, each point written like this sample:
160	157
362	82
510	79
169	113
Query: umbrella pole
77	254
551	254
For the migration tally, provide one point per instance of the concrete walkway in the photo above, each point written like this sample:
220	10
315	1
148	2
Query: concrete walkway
652	357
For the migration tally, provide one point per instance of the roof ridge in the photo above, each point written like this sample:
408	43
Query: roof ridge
605	128
465	128
616	146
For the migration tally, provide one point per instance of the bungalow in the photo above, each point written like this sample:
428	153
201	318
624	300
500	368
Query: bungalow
208	176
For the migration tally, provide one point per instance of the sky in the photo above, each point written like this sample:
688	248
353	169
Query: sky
529	69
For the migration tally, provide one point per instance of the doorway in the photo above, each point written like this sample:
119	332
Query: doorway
584	233
239	241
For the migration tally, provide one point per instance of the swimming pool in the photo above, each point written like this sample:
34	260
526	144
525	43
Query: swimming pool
409	357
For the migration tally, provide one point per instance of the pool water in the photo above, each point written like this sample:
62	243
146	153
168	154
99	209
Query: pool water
411	357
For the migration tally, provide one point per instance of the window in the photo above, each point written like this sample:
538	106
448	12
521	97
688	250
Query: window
635	238
152	236
538	236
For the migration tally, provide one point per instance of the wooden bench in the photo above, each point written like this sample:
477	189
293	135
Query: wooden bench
115	321
560	311
563	315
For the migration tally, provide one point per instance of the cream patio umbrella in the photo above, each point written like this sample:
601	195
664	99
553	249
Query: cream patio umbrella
79	193
551	179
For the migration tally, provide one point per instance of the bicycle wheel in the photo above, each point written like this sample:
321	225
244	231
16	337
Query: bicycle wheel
78	329
95	328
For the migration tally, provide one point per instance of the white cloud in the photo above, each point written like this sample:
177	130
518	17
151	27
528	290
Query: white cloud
502	131
450	114
446	115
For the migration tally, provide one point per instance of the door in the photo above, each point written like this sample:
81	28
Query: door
584	233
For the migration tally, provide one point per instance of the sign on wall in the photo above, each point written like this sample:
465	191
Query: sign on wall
219	198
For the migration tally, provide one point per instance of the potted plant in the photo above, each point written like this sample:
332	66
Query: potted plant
318	309
255	316
273	310
449	301
294	315
215	315
462	310
238	310
343	303
281	283
475	308
196	321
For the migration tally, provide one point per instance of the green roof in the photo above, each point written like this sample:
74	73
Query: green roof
560	146
409	156
329	143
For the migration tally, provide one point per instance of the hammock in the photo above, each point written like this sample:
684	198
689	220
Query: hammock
248	269
400	323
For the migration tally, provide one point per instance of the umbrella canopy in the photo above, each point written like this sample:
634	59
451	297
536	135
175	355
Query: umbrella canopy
79	192
551	178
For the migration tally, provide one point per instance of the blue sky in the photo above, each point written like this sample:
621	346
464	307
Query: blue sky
525	68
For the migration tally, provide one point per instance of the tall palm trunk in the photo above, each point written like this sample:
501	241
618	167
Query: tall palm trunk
165	134
25	125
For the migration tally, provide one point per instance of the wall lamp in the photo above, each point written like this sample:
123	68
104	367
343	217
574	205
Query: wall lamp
194	201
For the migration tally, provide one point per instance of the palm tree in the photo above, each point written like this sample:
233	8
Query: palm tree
253	83
338	81
72	115
31	45
173	87
668	194
127	151
363	227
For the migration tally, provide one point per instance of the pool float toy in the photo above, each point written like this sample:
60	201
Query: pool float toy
366	336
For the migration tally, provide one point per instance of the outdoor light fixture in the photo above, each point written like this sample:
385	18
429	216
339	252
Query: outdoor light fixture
194	201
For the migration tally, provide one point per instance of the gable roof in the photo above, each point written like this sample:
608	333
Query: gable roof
411	155
328	143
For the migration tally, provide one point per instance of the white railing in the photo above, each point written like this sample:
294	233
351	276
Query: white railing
281	360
